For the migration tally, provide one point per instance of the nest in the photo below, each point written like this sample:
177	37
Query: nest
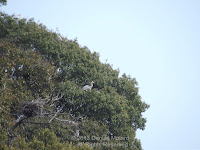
30	110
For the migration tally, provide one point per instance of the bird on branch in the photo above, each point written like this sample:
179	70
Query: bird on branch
88	87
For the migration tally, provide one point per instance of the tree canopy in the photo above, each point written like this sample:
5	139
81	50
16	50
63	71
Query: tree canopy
42	104
3	2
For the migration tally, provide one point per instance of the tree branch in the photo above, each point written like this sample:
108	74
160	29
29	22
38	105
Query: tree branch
57	112
20	120
67	121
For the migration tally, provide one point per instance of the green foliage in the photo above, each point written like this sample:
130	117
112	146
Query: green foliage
34	62
3	138
20	143
3	2
36	144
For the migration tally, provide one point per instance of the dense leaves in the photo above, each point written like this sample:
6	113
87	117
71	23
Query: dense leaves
36	62
3	2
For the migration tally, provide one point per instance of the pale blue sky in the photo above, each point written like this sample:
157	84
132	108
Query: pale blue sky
155	41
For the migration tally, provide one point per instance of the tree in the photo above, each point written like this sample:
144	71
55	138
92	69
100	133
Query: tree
3	2
41	79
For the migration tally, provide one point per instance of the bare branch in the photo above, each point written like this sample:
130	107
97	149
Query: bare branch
19	121
57	112
56	98
4	85
67	122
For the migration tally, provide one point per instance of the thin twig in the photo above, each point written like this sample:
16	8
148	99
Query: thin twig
57	113
67	121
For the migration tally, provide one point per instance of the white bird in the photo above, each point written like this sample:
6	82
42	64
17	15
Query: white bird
20	16
6	71
20	67
88	87
59	70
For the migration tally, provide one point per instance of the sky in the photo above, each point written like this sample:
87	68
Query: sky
155	41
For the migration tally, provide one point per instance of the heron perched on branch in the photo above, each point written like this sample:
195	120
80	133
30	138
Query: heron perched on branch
88	87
